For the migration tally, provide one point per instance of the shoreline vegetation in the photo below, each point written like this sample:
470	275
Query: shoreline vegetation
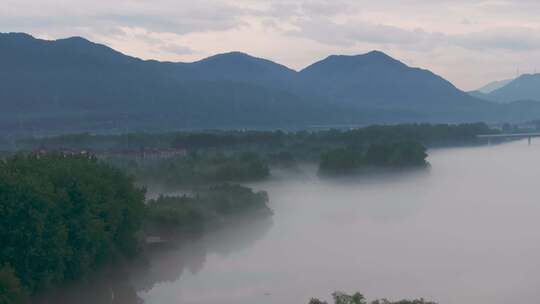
69	204
355	160
203	210
357	298
62	216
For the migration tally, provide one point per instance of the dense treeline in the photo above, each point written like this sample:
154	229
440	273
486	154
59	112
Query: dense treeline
267	141
358	298
205	207
198	168
386	155
427	134
61	216
236	156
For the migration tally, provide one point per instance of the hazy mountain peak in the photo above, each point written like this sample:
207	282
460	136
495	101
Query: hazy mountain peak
529	77
352	63
241	66
494	85
74	40
228	55
16	35
525	87
17	39
29	38
377	54
372	55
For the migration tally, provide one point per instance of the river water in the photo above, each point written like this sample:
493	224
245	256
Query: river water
465	231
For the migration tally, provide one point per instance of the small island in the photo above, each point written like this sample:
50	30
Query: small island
353	159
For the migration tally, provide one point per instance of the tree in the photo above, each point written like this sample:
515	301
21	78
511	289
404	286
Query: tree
358	298
61	216
343	298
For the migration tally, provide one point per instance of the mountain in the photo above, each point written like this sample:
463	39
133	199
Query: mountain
485	91
240	67
73	85
525	87
480	95
378	80
74	82
494	85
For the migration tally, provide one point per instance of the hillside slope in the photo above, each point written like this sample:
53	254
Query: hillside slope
73	84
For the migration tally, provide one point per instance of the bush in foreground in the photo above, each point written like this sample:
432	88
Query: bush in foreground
358	298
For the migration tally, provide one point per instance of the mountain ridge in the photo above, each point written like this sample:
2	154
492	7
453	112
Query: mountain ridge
494	85
524	87
50	81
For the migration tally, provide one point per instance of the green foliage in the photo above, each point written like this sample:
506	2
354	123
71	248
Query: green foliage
340	160
11	291
427	134
60	216
358	298
284	159
343	298
203	168
401	154
231	199
302	144
389	155
175	212
207	206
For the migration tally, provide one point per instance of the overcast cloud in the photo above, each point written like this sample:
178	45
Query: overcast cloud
467	42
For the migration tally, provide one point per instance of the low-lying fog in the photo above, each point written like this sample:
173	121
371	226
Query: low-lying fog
465	231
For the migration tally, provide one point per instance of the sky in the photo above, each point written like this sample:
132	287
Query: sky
468	42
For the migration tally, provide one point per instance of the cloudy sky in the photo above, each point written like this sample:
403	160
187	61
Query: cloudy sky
466	41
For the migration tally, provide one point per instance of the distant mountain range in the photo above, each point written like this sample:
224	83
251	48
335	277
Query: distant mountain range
525	87
73	85
494	85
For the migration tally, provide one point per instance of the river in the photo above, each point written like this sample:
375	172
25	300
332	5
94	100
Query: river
467	230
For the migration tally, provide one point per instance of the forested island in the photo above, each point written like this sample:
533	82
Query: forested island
71	203
351	159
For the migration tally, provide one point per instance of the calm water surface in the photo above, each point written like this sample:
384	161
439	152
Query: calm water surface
465	231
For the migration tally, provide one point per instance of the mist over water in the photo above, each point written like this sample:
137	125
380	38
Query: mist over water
464	231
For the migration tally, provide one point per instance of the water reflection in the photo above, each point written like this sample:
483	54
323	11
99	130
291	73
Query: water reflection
160	263
111	285
167	262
